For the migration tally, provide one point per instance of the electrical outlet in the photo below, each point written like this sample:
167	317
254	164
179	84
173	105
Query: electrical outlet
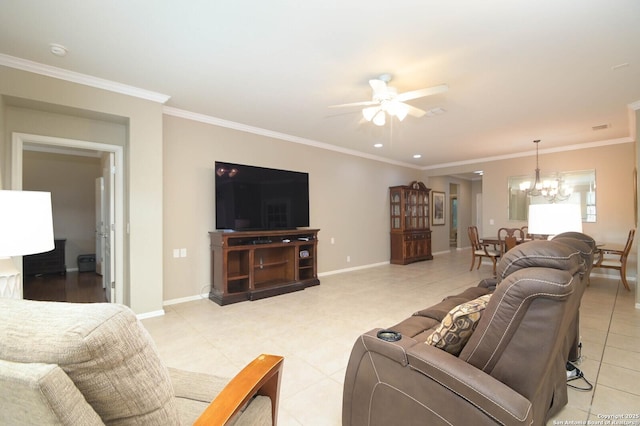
348	259
176	252
183	252
333	240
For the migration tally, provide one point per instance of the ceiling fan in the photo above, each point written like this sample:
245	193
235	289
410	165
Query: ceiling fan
387	100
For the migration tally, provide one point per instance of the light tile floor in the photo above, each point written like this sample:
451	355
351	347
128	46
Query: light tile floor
315	329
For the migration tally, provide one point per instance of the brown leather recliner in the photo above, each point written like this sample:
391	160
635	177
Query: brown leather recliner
512	371
587	247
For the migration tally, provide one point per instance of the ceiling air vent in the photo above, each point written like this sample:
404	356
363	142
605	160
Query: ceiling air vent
600	127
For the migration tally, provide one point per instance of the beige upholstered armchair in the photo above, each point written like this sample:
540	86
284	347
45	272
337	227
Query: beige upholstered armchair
95	364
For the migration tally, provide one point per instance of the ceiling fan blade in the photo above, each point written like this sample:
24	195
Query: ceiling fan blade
414	94
415	112
363	103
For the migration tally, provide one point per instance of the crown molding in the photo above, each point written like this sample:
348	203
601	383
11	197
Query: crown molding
566	148
202	118
84	79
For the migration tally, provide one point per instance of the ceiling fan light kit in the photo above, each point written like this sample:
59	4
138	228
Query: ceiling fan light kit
386	100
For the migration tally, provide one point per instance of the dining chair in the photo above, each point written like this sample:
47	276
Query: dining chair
509	238
480	250
616	259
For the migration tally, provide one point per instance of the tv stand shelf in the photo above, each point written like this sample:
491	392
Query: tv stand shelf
251	265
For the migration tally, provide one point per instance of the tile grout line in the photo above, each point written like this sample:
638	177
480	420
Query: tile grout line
604	348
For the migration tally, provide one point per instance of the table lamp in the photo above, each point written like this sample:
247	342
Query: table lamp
26	227
554	219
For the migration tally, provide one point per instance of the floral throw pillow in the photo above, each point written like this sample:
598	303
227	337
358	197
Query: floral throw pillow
458	325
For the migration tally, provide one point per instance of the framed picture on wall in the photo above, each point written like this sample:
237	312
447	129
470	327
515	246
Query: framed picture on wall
437	201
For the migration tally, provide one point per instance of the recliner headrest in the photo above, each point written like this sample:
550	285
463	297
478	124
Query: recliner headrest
541	253
584	238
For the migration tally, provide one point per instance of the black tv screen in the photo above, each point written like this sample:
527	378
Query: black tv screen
258	198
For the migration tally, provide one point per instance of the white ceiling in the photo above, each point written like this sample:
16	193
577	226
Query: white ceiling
517	71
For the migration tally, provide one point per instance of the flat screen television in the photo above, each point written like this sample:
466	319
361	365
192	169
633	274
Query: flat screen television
259	198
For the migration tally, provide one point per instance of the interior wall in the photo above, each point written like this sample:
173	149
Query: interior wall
476	191
348	198
614	166
141	122
4	160
635	119
71	181
440	233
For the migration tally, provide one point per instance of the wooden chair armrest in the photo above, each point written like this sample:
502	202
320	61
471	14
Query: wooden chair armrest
261	376
485	246
598	257
612	251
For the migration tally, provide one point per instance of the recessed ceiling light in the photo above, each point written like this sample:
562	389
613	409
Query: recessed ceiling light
417	155
58	49
378	145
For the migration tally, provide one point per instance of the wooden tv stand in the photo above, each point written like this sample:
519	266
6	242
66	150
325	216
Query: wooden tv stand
251	265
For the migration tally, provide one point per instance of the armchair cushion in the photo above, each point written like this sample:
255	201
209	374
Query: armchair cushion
46	393
458	325
439	310
122	379
195	391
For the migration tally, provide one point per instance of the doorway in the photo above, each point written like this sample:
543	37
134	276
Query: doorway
113	158
453	215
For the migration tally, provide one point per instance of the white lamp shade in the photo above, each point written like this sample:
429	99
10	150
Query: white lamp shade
554	219
26	223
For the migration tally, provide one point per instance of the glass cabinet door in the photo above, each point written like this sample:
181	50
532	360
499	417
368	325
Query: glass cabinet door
396	210
409	208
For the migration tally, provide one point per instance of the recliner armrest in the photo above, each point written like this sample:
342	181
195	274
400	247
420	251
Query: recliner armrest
260	377
489	395
489	283
396	351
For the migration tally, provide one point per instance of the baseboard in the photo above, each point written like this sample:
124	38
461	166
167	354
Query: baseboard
355	268
185	299
151	314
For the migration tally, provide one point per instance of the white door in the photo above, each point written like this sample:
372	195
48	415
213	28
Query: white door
108	213
100	226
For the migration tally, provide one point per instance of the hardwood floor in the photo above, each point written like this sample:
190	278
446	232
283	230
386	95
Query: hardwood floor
78	287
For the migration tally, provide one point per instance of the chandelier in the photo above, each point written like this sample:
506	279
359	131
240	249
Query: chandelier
552	190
